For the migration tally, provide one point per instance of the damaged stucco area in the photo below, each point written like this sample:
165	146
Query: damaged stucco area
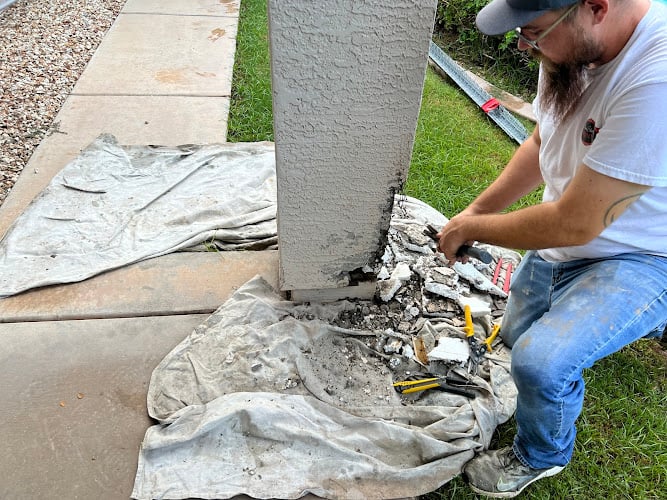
325	375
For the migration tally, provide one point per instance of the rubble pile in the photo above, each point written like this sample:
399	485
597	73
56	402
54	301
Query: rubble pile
420	301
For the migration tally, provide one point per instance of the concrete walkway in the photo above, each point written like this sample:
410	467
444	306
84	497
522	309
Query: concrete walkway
76	359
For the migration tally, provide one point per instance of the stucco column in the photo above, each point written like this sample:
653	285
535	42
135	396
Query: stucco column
347	83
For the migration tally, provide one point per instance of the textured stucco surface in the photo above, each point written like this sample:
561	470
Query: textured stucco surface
347	83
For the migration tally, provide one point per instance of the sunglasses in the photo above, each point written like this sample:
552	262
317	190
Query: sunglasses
533	43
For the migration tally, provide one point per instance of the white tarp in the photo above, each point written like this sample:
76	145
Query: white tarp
115	205
266	398
261	401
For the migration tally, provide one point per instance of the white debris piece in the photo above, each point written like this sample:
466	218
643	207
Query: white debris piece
408	352
414	233
399	255
478	307
387	256
412	238
425	249
424	265
470	273
393	346
451	350
388	288
440	289
383	274
402	272
445	275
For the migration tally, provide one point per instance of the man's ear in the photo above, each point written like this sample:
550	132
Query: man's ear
598	9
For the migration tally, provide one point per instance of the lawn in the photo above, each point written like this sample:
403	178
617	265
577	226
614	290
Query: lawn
621	447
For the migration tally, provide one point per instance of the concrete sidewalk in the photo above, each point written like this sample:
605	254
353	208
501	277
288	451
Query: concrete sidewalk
77	358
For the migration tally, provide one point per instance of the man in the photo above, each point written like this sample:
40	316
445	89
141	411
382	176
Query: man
595	276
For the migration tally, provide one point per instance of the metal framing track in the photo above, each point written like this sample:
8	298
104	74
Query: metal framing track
482	98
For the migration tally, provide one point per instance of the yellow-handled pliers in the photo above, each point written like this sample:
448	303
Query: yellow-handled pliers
423	384
492	337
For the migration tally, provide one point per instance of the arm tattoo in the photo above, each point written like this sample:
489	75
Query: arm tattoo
618	207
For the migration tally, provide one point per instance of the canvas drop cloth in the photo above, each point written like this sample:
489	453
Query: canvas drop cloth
266	398
115	205
269	399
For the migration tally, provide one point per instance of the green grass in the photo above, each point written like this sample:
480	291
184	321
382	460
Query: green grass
621	448
458	150
250	113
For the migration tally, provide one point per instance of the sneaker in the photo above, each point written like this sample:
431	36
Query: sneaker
500	474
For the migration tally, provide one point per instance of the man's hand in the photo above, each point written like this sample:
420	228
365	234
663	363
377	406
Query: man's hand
450	239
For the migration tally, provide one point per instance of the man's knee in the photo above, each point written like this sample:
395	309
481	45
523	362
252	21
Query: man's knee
534	367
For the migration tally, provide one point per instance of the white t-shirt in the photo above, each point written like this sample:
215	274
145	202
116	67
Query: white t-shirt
619	130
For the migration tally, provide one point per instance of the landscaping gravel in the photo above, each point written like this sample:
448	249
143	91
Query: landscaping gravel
44	48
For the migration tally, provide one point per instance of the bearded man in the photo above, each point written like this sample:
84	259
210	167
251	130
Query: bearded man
594	278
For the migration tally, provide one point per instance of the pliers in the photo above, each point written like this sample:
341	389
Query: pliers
477	348
443	383
494	333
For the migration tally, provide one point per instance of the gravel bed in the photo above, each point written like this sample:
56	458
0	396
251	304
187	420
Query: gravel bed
44	47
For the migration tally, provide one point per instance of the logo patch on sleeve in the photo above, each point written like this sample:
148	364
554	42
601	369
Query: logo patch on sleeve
590	132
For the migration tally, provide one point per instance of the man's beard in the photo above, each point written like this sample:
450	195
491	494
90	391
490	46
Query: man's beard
564	84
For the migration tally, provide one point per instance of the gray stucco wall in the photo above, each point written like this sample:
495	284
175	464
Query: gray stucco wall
347	81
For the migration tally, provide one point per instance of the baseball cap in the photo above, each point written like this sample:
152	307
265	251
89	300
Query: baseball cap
501	16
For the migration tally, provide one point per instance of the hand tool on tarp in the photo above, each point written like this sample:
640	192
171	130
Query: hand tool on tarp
477	348
489	341
449	383
470	251
508	274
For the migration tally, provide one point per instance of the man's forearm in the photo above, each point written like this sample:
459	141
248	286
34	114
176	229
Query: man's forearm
535	227
590	203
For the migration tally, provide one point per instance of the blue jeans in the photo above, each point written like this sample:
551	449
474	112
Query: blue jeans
563	317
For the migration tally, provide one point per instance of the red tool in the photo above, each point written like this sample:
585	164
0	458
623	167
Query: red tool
496	273
508	278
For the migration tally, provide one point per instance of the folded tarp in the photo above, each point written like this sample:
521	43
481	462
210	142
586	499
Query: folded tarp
115	205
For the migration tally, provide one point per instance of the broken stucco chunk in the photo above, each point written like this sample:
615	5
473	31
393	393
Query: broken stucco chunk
441	289
424	265
399	254
451	350
473	276
388	288
414	233
478	306
399	275
402	272
412	238
387	256
445	275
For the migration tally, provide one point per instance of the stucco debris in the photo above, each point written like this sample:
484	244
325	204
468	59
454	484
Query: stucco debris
418	308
